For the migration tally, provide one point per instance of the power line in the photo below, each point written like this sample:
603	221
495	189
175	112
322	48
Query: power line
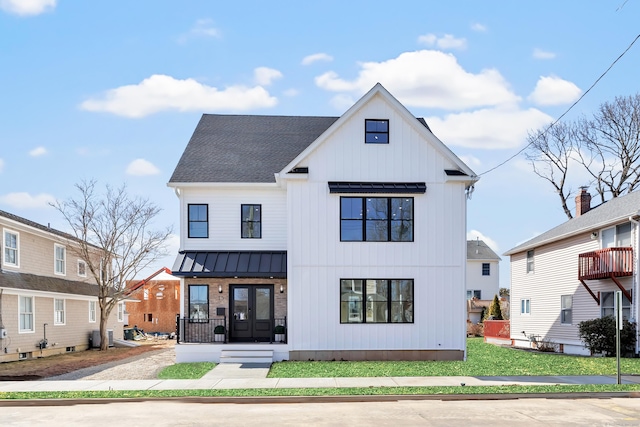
566	112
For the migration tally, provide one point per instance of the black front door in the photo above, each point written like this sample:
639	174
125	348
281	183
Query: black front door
251	313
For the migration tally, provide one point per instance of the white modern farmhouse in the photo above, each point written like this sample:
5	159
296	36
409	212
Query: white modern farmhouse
321	238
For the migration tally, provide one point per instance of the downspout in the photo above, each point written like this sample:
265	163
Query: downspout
636	276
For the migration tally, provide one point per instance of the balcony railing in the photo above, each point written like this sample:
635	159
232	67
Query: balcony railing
605	263
204	330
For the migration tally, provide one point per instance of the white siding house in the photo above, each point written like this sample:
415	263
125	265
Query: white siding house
368	213
569	274
483	278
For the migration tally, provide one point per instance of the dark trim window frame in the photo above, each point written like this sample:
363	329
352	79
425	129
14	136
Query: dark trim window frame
376	219
376	301
251	221
376	131
486	269
198	221
198	303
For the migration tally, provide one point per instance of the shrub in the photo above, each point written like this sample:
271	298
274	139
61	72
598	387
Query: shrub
495	313
599	335
475	329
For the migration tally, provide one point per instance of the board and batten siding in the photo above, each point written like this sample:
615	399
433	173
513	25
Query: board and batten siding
435	260
225	219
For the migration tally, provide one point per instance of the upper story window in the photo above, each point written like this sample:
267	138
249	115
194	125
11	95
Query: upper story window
82	268
376	131
617	237
198	221
486	269
251	221
530	265
11	248
376	301
60	264
376	219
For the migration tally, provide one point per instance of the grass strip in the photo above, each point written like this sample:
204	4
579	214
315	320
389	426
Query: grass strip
186	371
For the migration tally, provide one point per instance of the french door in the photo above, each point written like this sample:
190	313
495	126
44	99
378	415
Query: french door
251	313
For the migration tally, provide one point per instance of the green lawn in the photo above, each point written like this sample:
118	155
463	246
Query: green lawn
186	371
482	360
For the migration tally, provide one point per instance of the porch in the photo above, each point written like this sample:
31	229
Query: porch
609	263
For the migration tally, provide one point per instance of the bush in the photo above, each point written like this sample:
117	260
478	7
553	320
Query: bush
495	313
218	329
599	335
475	330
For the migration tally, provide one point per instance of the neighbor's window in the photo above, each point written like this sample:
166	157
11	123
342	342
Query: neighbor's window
376	131
376	301
607	305
198	302
525	306
251	221
26	314
60	259
10	243
58	311
121	312
376	219
566	303
82	268
486	269
198	221
618	236
530	261
474	294
93	309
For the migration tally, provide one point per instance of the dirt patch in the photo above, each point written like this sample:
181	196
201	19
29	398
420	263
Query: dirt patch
35	369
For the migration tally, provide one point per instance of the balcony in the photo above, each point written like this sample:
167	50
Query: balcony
605	264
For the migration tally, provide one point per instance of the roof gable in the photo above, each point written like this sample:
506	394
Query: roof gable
478	250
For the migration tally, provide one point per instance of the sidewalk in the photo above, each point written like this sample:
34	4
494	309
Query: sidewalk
232	376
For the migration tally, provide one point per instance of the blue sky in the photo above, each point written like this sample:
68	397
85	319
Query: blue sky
112	90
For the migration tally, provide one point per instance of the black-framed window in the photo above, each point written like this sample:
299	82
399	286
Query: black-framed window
376	301
376	131
198	221
251	221
376	219
566	308
199	303
486	269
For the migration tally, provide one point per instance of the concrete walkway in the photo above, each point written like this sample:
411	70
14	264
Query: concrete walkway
253	376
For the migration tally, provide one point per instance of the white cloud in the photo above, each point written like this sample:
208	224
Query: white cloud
142	167
161	93
446	42
471	161
264	76
310	59
38	151
497	128
26	200
1	165
291	92
429	79
475	234
476	26
541	54
203	28
554	91
27	7
342	102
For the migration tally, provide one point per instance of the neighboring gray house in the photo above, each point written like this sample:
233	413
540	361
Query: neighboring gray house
348	231
48	301
570	273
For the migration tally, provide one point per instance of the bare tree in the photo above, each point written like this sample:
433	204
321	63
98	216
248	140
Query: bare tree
606	147
114	236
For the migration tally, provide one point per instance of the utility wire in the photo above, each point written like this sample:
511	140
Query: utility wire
567	111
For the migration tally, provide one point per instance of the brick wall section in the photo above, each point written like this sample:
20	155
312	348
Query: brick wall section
158	312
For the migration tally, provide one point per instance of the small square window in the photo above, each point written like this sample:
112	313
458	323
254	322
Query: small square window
376	131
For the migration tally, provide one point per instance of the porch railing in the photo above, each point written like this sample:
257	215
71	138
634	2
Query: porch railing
604	263
204	330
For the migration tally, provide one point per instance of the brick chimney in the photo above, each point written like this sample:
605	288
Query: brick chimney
583	202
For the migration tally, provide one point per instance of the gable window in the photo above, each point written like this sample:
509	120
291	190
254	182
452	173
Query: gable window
58	311
82	268
60	260
376	219
93	310
566	307
486	269
376	131
607	305
617	237
530	264
10	243
251	221
198	221
26	314
525	306
376	301
198	302
474	294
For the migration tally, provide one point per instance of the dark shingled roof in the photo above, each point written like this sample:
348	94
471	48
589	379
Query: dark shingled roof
36	225
31	282
478	249
245	148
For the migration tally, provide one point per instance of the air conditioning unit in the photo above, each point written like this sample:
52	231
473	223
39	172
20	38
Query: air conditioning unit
95	338
3	334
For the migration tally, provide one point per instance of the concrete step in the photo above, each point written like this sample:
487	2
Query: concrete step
246	356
